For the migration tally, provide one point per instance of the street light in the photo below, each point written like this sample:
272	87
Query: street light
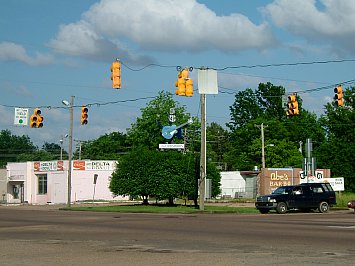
70	106
61	145
263	153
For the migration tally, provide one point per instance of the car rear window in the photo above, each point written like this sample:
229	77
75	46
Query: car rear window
282	190
317	190
327	187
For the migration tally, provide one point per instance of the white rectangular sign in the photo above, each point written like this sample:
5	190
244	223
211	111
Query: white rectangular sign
21	117
207	81
48	166
172	146
94	165
336	183
100	165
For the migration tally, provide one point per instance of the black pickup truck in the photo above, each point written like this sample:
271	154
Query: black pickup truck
304	197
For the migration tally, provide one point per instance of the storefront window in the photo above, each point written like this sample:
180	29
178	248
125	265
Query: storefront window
42	184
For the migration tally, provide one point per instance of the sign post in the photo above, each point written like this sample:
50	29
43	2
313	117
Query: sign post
95	180
207	84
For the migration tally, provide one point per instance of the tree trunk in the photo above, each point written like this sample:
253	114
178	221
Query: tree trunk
145	200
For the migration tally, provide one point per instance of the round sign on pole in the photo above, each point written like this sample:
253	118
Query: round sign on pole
172	118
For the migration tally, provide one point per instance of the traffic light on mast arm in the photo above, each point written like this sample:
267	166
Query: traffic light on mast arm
84	115
292	106
338	97
184	84
116	74
36	120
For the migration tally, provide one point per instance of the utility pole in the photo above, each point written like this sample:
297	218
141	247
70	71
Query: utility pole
70	150
80	146
202	183
79	150
262	144
310	161
207	84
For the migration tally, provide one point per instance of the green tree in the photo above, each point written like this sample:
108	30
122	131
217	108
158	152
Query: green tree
217	143
270	100
265	106
146	131
107	147
162	175
12	146
39	155
53	149
337	151
244	109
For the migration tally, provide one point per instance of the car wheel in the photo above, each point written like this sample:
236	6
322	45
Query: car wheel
281	207
323	207
263	211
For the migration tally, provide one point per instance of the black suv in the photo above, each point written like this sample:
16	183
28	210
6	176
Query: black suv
304	197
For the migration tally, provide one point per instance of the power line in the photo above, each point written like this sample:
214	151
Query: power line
348	82
272	78
98	104
88	105
146	66
247	66
217	69
285	64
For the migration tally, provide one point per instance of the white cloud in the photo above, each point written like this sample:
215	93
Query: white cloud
158	25
323	21
238	82
13	52
20	90
7	117
80	39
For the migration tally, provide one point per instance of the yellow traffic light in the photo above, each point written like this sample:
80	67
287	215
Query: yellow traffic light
84	115
39	121
181	87
33	120
184	84
116	74
189	87
292	106
338	97
184	73
36	120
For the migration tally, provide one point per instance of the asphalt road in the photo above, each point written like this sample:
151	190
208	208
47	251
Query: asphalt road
48	236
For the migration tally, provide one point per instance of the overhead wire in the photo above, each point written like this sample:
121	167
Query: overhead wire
285	64
88	105
146	66
217	69
348	82
264	66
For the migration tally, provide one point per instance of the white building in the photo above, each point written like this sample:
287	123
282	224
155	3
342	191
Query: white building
236	184
3	185
47	182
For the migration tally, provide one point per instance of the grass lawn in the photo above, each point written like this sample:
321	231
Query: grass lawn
138	208
342	200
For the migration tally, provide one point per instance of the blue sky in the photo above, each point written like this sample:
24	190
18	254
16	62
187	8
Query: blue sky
52	50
